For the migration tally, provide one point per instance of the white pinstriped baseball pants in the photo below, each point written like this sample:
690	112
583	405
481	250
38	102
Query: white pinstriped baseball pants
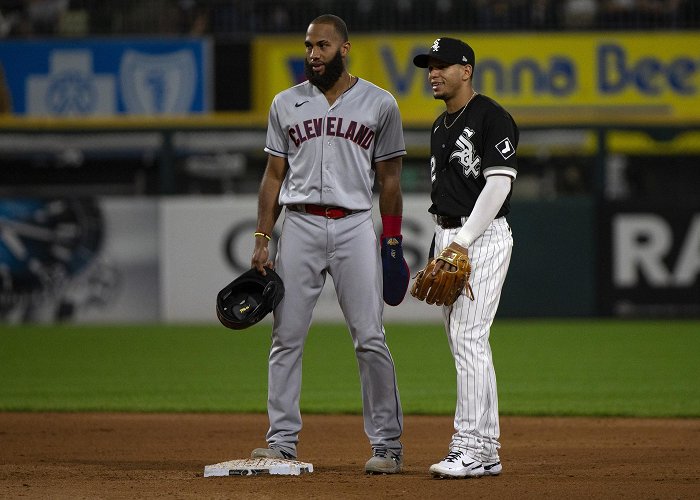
468	326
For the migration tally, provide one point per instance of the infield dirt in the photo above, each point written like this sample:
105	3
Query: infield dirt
107	455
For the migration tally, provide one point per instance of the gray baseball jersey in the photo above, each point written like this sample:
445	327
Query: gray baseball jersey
331	151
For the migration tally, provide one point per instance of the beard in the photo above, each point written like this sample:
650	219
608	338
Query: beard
334	68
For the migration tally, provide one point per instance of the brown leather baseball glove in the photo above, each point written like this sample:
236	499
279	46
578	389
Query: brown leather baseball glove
444	278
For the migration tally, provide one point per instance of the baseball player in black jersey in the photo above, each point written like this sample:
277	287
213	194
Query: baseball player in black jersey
472	167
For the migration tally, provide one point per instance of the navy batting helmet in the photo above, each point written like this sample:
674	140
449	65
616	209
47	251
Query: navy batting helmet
249	298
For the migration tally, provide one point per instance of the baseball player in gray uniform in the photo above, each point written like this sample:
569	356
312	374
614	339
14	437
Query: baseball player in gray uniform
328	140
472	167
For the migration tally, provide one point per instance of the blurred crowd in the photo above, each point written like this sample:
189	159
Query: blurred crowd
26	18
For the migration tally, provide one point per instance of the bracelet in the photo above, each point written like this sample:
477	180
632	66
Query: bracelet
265	235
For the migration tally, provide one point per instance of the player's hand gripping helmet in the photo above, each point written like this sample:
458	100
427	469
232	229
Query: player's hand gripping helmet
249	298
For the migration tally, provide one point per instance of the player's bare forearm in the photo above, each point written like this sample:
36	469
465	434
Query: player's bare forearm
268	195
268	210
389	180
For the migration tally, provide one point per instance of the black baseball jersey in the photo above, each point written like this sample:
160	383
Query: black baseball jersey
465	149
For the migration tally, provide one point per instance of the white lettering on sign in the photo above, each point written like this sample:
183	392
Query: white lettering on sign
642	242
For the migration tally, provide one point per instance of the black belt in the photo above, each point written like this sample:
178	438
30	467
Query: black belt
447	222
323	210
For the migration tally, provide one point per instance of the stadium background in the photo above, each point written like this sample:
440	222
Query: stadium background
150	116
131	137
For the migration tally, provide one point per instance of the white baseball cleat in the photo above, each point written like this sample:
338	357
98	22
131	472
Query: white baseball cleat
493	469
457	464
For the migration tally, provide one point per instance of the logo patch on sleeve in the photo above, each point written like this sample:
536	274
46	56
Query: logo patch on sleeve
505	148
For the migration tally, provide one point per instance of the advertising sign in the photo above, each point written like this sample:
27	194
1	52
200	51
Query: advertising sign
207	242
650	260
92	77
82	260
605	78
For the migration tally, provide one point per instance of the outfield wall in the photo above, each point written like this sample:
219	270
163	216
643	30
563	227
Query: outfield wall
136	260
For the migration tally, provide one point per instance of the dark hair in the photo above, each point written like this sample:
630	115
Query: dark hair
340	27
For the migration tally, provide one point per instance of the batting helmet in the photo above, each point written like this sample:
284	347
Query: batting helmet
249	298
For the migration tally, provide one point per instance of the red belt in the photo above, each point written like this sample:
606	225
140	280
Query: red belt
322	210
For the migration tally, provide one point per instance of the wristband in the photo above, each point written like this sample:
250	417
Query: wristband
391	225
264	235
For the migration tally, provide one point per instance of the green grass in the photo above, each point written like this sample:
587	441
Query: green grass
562	367
636	368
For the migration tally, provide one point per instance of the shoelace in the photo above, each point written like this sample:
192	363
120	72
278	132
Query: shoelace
452	456
380	452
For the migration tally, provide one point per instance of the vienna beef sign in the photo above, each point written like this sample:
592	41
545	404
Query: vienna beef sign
579	78
650	261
